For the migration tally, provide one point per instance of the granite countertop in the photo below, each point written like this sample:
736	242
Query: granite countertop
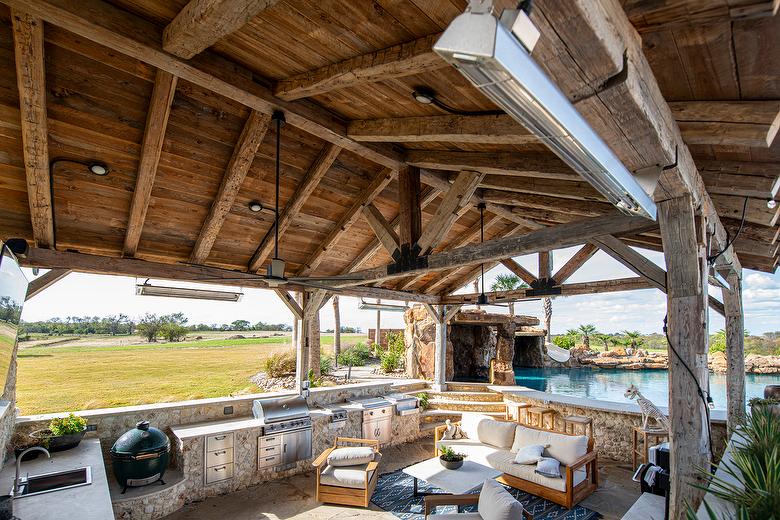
92	502
188	431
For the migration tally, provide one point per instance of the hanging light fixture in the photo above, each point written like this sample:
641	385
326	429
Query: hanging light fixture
482	300
276	267
495	56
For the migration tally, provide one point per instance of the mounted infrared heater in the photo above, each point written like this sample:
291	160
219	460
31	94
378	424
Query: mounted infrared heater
364	305
147	289
495	56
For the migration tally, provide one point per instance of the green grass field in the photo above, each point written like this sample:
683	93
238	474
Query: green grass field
103	374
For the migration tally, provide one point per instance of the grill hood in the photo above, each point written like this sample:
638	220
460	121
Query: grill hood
276	409
140	442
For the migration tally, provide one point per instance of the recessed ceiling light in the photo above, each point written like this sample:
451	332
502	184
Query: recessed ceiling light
423	95
98	168
255	206
771	204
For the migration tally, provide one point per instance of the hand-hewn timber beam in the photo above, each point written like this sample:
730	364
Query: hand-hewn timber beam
382	229
730	123
735	352
765	169
584	208
406	59
452	128
574	289
756	212
31	82
202	23
633	260
308	184
456	198
237	169
151	148
409	211
427	196
545	265
138	38
754	186
290	303
574	263
557	237
45	281
658	16
525	164
95	264
519	271
366	197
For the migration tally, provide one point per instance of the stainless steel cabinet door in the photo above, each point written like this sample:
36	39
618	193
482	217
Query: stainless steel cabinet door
296	446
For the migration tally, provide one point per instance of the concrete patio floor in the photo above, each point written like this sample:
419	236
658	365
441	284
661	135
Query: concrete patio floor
293	498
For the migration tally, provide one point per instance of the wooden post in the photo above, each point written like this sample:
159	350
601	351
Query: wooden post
312	329
735	352
378	330
687	328
410	216
302	347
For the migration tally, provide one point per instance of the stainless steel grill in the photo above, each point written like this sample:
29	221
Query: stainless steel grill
280	414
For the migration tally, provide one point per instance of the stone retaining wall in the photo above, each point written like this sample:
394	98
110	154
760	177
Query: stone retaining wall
612	429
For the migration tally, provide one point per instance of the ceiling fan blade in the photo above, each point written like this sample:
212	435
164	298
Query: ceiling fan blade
328	288
336	278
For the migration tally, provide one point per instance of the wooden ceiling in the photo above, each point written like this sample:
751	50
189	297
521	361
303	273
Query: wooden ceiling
174	146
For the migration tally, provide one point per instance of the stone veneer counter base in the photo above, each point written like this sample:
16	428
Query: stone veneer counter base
149	502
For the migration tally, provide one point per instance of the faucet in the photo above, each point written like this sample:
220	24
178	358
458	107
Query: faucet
15	491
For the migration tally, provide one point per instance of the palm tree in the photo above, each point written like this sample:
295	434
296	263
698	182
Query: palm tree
508	282
547	305
634	338
336	329
587	331
604	338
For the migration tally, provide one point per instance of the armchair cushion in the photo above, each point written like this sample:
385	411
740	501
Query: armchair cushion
351	476
496	503
350	456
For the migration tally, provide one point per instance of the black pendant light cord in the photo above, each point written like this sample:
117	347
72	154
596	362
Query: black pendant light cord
482	239
729	240
279	118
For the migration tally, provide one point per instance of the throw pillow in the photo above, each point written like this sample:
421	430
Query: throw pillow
549	467
530	454
496	503
350	456
452	433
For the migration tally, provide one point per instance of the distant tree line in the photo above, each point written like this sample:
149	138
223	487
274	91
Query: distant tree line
150	326
10	311
347	330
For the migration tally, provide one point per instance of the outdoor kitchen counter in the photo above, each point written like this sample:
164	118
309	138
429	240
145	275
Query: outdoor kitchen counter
188	431
92	502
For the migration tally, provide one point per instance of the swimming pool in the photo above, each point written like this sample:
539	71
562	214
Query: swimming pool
609	384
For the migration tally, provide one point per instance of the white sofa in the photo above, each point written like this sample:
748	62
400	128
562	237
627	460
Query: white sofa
494	443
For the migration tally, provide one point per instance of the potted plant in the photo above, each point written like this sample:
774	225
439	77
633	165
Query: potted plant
449	459
63	433
22	442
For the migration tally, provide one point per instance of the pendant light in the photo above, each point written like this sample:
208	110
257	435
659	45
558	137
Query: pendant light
276	267
482	300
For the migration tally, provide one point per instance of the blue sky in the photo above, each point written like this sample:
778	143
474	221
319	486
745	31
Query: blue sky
82	294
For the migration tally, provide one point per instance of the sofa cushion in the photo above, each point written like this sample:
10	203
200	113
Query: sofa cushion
503	460
495	503
566	448
350	456
488	430
350	477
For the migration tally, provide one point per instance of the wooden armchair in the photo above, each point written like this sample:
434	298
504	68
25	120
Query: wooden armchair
346	485
433	501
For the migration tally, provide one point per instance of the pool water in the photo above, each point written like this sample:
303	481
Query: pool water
609	384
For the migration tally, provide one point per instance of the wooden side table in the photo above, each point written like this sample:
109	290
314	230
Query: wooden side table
572	422
539	413
514	410
649	438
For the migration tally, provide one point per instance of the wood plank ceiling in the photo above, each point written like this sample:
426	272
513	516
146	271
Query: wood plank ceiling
98	104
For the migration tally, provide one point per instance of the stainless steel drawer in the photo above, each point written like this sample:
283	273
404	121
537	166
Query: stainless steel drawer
268	461
218	473
219	457
377	413
270	440
267	451
219	441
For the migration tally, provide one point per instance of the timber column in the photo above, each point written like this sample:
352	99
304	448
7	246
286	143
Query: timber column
686	282
302	347
735	351
439	315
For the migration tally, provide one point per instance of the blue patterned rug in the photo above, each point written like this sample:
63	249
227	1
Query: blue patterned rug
394	494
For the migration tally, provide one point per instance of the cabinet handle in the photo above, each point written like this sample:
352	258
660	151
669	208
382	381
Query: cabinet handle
220	438
270	449
221	468
220	452
269	458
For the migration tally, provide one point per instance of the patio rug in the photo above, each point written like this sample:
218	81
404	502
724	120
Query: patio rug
394	494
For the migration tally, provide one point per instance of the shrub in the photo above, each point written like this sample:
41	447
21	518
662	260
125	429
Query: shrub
395	342
280	364
326	365
67	425
390	361
355	356
566	341
423	397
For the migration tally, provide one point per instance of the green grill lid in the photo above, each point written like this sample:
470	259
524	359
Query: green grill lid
142	440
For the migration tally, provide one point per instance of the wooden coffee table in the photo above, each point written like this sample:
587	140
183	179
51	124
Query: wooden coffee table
465	479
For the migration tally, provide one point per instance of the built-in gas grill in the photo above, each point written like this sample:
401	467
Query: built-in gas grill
287	424
404	404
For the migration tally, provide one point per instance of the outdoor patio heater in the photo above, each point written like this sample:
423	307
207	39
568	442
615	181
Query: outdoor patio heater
494	55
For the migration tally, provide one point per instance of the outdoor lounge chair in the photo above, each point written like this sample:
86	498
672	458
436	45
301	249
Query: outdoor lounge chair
347	485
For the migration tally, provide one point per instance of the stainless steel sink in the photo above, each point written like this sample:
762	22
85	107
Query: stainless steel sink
48	482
